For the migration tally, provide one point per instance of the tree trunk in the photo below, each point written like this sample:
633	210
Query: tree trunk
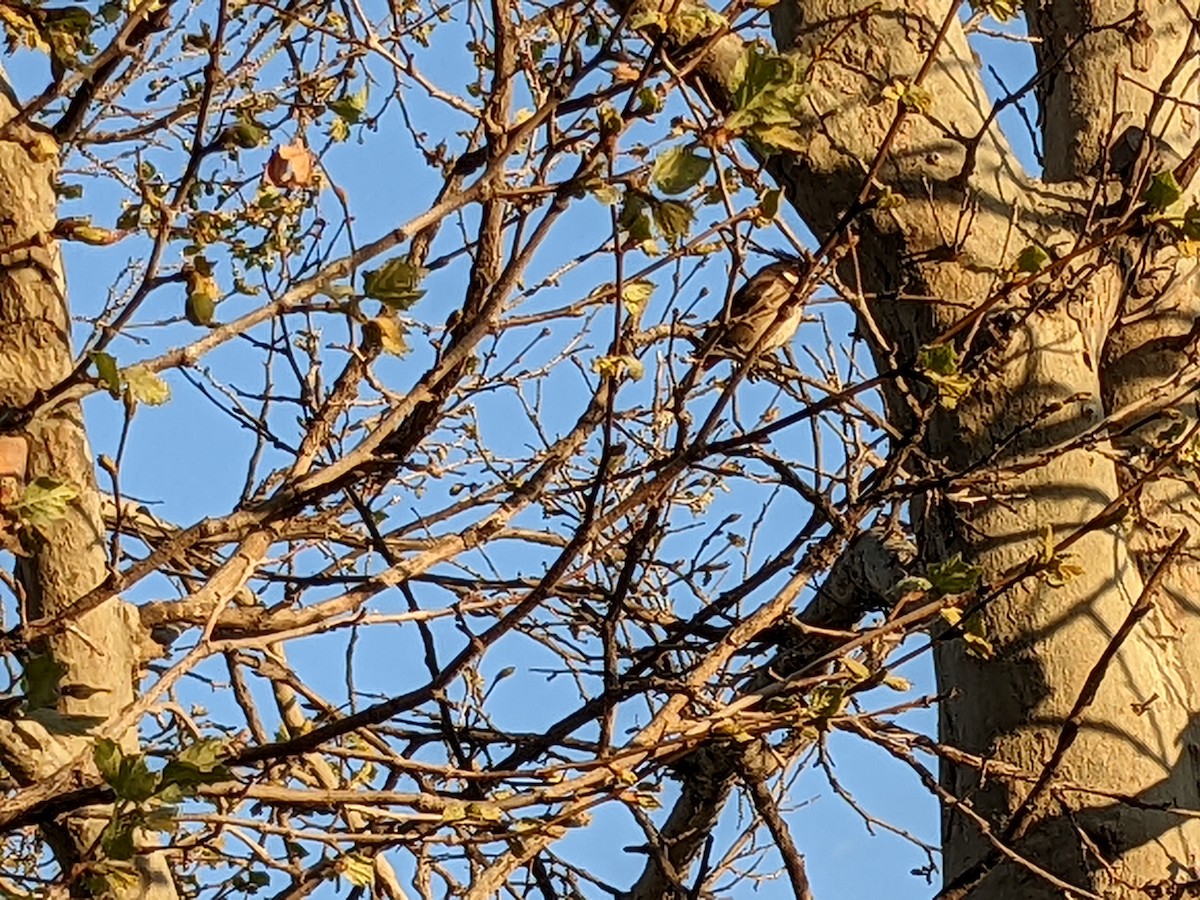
1051	360
1038	365
98	655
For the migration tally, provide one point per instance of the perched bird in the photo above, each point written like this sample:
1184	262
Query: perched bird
752	311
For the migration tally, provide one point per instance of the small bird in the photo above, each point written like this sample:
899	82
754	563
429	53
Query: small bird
753	310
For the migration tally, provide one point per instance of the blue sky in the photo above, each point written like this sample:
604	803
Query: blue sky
187	460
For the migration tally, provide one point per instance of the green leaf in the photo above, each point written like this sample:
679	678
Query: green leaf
107	371
954	576
769	89
693	22
674	219
1032	259
243	135
975	634
202	293
258	879
206	754
107	755
605	193
649	101
825	702
117	838
135	782
162	818
199	309
143	386
940	365
187	775
350	107
44	501
171	794
939	359
610	121
635	217
395	284
1162	191
40	680
679	169
768	205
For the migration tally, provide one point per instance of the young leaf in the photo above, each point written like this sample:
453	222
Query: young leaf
679	169
673	218
954	576
350	107
107	756
768	206
107	371
395	284
392	334
857	670
898	683
44	502
635	295
616	366
1032	259
143	386
940	365
1162	191
1055	568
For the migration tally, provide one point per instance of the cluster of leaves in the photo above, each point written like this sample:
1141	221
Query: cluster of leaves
348	109
911	97
147	799
954	578
43	502
396	285
685	24
769	89
1164	202
940	365
135	384
64	33
1055	567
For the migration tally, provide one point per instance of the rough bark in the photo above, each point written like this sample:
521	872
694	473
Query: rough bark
1039	387
925	267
